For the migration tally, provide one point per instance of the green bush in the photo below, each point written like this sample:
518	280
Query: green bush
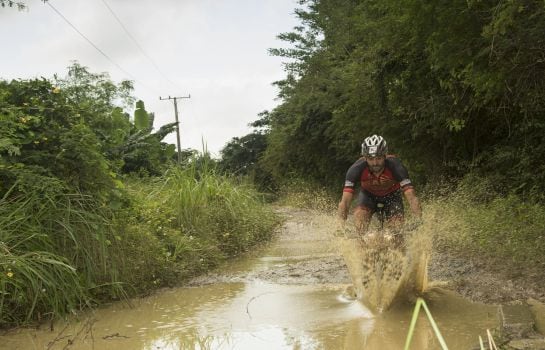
42	134
198	205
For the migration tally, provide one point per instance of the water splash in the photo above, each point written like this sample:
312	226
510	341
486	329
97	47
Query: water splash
384	271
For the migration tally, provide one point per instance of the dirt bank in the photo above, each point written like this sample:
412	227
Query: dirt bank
480	280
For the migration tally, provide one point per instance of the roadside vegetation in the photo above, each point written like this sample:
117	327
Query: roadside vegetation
299	193
188	221
499	230
93	207
465	218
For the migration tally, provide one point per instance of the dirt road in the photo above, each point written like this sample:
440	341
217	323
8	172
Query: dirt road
306	263
471	278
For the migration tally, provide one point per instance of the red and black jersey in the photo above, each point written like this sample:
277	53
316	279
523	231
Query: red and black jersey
394	177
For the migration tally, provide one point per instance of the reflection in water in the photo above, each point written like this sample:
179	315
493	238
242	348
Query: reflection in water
266	338
264	316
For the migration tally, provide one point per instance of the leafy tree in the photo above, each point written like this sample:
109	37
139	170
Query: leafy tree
141	117
143	151
241	154
99	103
75	130
130	147
454	86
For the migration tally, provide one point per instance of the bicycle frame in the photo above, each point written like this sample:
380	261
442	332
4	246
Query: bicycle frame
380	215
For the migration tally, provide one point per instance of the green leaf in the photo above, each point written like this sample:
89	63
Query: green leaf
141	117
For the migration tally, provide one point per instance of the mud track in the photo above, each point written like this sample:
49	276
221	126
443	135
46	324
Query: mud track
314	259
311	257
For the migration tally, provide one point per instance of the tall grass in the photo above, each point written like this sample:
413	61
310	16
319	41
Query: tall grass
307	194
54	254
501	228
214	207
186	222
200	218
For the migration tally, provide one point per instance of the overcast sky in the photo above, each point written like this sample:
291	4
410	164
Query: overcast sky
214	50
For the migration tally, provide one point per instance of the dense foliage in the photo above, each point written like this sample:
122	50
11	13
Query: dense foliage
185	222
71	232
507	232
456	87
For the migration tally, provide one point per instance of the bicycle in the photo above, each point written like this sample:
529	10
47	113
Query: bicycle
385	237
379	263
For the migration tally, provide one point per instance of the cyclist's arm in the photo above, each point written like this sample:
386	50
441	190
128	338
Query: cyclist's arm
352	176
344	205
414	203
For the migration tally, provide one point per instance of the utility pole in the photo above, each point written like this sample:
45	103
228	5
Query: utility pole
177	122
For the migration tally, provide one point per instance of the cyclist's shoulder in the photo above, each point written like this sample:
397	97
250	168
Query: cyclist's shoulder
357	167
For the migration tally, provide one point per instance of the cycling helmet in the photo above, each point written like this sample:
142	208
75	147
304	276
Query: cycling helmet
374	146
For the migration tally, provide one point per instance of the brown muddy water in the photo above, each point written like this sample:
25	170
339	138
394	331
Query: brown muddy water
288	295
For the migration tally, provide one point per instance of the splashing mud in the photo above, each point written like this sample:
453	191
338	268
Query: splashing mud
382	271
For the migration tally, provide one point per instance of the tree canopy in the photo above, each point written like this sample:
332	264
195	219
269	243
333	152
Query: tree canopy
455	87
73	132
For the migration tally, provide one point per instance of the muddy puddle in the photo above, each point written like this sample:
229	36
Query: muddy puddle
289	295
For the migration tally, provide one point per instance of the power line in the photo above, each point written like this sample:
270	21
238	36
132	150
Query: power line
97	48
139	46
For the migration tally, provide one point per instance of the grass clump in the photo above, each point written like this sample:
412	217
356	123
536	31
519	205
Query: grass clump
500	228
55	251
194	219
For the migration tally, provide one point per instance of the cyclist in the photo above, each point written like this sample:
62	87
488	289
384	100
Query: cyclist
382	179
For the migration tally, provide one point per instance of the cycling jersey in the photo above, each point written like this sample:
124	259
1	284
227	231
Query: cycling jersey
394	177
